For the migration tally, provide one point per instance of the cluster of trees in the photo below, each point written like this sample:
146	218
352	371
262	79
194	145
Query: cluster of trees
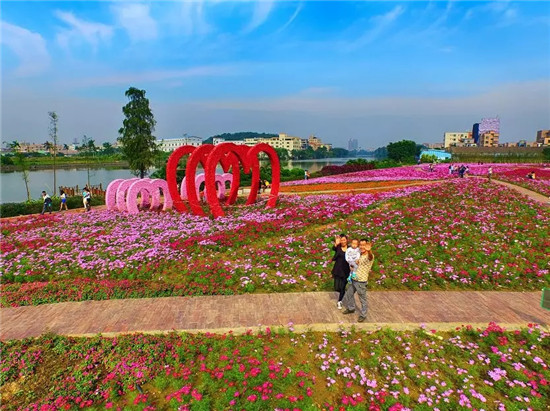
404	151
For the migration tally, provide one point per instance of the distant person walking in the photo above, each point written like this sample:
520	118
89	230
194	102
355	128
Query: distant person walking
341	269
87	199
47	202
63	198
490	173
359	284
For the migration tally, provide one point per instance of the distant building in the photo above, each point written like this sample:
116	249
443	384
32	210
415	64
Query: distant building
488	139
475	133
434	145
170	144
457	139
489	124
352	144
489	132
543	137
439	154
316	143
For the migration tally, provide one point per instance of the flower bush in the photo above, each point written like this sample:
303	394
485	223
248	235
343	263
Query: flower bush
461	234
489	368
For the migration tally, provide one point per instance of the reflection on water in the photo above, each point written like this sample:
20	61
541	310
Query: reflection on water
12	186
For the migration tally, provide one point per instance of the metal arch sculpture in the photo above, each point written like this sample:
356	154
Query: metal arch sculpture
110	194
121	193
221	179
253	154
229	156
152	188
171	175
248	157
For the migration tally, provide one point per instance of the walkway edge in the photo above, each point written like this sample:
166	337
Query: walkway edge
430	328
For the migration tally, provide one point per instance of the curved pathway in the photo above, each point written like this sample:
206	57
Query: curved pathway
442	310
531	194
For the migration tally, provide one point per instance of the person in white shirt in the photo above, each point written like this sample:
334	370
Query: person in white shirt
63	198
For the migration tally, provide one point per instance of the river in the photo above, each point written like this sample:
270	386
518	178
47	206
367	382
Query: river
12	186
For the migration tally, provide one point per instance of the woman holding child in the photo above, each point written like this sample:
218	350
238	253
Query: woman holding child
341	270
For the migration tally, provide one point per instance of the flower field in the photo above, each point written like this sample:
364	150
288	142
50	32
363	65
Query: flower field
350	187
541	184
483	369
459	234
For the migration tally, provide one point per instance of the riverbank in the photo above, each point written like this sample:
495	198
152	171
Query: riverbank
71	165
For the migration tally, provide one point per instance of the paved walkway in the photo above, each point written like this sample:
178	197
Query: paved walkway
312	310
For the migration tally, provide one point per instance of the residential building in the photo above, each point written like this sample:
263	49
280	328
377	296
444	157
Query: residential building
170	144
488	139
353	144
315	143
457	138
543	137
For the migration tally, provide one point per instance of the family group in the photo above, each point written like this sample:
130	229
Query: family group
352	266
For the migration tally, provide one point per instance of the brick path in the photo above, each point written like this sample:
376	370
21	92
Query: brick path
312	310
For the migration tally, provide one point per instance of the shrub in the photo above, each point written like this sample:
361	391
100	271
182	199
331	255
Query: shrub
6	161
35	206
346	168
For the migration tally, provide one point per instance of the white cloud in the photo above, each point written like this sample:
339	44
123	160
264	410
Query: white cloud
28	46
378	25
135	19
262	9
79	29
190	18
153	76
291	19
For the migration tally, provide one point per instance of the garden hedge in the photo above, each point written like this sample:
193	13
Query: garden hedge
35	206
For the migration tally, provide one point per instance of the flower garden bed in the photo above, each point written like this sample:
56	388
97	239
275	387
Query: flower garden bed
541	183
490	369
463	234
367	185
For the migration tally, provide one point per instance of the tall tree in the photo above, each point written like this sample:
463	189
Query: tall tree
53	136
403	151
21	161
136	134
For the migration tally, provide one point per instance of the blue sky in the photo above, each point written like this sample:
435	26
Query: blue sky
374	71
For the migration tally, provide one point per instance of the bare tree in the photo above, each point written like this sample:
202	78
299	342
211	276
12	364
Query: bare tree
53	136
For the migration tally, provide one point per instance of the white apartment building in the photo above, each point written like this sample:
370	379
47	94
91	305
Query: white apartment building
453	139
170	144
